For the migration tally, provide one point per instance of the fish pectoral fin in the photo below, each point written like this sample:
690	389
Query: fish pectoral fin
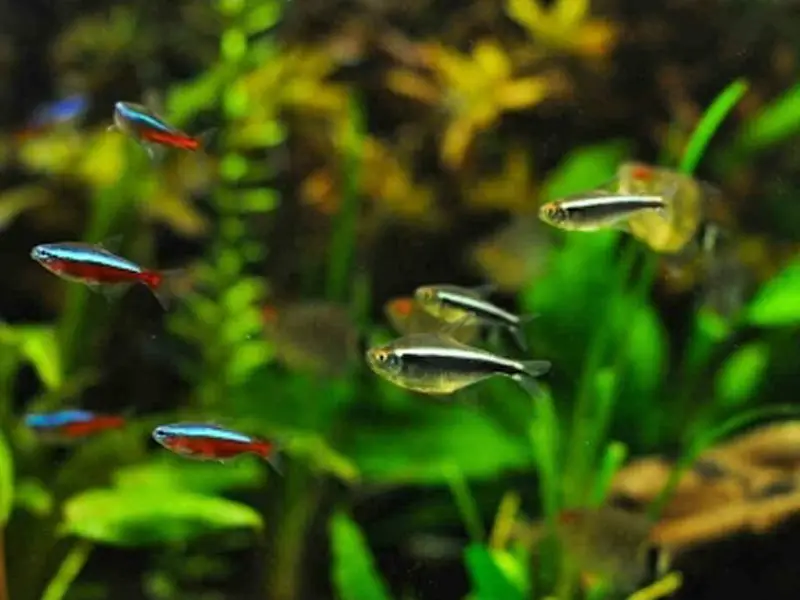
112	128
155	152
112	292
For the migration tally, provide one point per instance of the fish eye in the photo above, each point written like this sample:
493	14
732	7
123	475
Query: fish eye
160	433
39	253
553	212
381	356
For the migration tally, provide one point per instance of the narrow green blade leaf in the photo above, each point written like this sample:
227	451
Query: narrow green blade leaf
712	119
354	574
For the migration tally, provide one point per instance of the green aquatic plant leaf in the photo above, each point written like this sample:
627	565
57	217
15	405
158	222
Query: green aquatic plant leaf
493	574
584	169
38	345
32	495
773	124
141	517
715	114
741	375
6	481
427	442
353	570
775	304
205	478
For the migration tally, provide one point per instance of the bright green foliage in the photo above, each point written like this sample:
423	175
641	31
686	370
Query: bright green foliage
773	124
37	345
6	481
715	114
776	303
199	477
441	437
158	515
353	571
495	574
738	380
584	169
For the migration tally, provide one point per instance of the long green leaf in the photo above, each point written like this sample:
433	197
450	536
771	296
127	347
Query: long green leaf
132	517
776	122
712	119
354	574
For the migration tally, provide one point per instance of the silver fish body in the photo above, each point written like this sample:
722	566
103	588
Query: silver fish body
598	210
432	363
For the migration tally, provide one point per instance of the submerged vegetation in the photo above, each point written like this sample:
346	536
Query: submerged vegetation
355	153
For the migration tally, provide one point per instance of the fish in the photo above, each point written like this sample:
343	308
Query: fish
314	336
436	364
71	424
57	112
455	304
406	316
596	210
150	130
672	232
611	543
206	441
101	270
513	256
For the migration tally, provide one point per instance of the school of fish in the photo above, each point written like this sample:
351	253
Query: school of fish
438	352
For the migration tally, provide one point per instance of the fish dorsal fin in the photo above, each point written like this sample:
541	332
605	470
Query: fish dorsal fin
112	243
154	101
485	290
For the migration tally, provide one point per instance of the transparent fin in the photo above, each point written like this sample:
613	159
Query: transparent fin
170	285
112	244
531	370
519	338
155	152
485	290
206	139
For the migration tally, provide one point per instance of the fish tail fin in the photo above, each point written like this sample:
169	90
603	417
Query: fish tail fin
271	452
531	370
207	139
516	330
668	196
166	285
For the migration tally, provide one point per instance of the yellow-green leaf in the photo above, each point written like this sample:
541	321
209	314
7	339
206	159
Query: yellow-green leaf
141	516
6	481
353	572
